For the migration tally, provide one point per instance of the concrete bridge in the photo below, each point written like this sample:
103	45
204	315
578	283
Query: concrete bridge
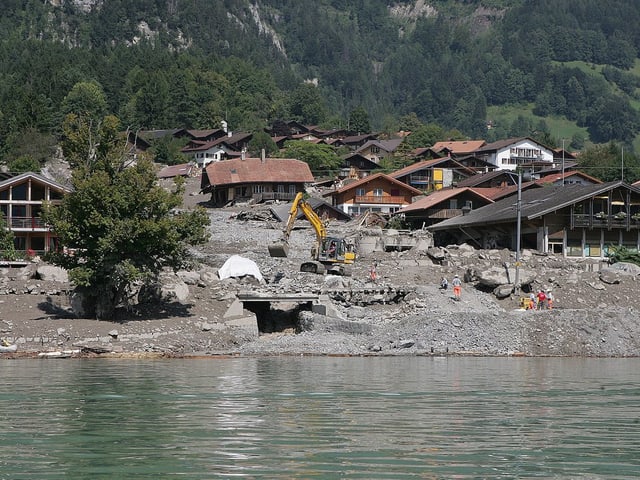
245	307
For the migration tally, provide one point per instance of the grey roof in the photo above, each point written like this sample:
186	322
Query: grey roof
483	177
536	202
18	178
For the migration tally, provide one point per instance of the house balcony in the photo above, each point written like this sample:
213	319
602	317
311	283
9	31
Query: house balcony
22	224
376	199
281	196
587	220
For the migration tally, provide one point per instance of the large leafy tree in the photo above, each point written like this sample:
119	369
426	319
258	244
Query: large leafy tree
359	121
121	228
322	158
610	162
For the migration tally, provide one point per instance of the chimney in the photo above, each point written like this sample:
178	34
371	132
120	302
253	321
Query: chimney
243	154
263	156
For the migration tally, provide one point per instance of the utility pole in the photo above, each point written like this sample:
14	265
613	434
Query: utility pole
563	162
518	221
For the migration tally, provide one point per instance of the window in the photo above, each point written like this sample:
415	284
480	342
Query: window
37	192
258	189
378	192
360	192
280	188
292	188
395	192
19	192
453	203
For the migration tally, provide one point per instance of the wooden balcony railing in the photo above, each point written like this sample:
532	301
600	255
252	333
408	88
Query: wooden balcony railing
379	199
604	221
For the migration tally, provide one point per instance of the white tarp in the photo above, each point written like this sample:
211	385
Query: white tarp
237	266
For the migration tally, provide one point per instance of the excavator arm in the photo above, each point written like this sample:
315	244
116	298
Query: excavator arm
299	203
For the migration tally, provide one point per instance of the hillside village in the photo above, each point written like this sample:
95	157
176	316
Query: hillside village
465	225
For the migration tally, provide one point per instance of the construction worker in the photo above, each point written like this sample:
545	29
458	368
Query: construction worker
457	287
373	275
532	301
542	300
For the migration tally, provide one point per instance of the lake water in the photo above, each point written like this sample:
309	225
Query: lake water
320	418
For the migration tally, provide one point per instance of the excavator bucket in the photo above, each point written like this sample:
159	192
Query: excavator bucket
279	249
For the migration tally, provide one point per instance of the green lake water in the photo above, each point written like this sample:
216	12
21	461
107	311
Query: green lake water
320	418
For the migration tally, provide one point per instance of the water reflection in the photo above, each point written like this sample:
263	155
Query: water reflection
320	418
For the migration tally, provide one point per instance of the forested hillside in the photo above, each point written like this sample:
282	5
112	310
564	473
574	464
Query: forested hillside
519	65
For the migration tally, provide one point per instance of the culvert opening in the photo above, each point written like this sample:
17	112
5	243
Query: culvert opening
277	316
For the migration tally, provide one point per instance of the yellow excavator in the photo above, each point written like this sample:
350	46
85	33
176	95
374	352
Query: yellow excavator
329	254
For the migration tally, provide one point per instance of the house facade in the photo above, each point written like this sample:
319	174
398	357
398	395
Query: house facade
517	153
443	204
257	179
375	193
430	175
21	201
571	220
376	150
205	152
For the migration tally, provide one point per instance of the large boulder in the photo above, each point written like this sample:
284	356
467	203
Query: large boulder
176	291
27	272
496	276
51	273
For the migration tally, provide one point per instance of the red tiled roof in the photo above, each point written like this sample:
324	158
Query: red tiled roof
254	170
460	146
573	173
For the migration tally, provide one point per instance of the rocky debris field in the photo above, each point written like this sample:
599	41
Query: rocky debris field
404	312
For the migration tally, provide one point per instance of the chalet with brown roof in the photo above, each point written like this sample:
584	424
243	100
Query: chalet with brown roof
376	150
257	179
356	166
206	135
522	153
354	142
443	204
205	152
21	202
376	193
430	175
457	148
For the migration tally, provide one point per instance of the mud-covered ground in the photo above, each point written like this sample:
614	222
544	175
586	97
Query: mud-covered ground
594	314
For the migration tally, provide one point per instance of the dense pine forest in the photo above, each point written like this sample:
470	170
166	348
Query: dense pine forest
566	70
